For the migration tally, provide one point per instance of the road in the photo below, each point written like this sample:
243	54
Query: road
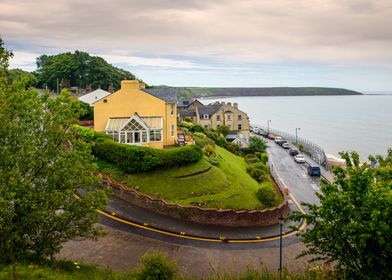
294	175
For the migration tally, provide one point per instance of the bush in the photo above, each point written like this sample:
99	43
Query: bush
264	157
134	159
214	161
185	124
218	139
188	119
266	195
251	159
233	148
256	144
156	266
209	151
86	134
202	140
258	171
196	128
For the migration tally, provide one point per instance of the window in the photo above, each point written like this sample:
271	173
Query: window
172	109
205	116
218	118
206	126
172	130
156	135
239	117
229	117
239	126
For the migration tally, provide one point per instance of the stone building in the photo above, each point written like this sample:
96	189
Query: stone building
215	115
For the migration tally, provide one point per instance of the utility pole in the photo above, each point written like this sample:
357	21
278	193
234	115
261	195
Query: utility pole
268	122
281	221
296	134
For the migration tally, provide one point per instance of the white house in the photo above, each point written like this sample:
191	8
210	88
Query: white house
94	96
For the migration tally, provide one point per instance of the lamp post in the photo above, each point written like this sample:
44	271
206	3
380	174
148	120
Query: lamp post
296	134
268	122
281	221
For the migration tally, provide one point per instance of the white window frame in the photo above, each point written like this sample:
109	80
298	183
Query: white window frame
205	116
218	118
228	117
240	117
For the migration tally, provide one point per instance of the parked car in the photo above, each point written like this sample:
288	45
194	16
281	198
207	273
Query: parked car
271	136
281	142
263	133
277	138
314	170
293	152
299	158
286	146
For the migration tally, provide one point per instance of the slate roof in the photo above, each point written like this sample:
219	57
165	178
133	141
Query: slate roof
167	94
94	96
209	109
186	112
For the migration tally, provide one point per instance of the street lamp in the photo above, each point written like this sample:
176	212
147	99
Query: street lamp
268	122
281	222
296	134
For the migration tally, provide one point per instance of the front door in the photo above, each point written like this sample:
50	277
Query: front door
137	137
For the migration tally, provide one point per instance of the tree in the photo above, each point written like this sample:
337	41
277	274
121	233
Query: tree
43	164
256	144
352	225
79	69
29	79
224	130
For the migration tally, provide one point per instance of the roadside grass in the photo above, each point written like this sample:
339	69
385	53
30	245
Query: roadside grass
226	186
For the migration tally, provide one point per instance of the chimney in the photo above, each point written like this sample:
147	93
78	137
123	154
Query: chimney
229	103
111	88
129	84
88	89
235	105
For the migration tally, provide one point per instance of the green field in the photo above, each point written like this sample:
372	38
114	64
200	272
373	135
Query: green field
227	186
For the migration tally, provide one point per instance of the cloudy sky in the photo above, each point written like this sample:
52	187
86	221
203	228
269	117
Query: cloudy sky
214	43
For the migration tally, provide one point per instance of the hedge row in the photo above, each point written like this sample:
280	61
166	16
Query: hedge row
134	159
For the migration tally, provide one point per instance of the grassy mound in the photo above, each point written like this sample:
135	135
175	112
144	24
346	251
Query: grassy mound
226	186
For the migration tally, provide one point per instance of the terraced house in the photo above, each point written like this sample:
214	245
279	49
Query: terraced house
215	115
138	116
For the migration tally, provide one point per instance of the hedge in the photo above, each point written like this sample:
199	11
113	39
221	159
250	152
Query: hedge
266	195
134	159
258	171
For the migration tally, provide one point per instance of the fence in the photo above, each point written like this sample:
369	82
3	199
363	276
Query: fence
313	150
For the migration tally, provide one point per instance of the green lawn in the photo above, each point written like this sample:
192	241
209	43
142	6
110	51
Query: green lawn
225	186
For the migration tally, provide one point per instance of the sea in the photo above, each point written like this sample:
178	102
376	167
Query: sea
361	123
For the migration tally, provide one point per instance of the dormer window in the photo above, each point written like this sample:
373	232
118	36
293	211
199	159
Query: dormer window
205	116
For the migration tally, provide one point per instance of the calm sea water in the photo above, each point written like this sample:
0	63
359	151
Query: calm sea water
361	123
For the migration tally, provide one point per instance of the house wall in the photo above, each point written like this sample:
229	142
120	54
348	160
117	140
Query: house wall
130	100
234	122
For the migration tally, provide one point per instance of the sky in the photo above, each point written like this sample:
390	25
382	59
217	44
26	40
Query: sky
222	43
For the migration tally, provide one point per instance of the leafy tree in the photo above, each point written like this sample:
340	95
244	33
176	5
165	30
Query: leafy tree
256	144
223	130
29	79
88	111
352	225
43	163
79	69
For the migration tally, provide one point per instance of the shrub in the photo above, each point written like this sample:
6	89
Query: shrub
86	134
223	130
264	157
233	148
218	139
256	144
196	128
202	140
251	159
209	151
134	159
266	195
214	161
185	124
156	266
258	171
188	119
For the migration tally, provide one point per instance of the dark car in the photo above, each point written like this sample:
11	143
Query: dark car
314	170
281	142
293	152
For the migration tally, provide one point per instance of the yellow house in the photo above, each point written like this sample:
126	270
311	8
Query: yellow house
138	116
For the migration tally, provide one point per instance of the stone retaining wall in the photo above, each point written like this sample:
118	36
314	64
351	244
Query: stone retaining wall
209	216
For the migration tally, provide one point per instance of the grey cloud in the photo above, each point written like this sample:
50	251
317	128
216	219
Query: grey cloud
248	31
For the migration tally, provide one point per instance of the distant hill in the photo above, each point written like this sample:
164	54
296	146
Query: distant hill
194	92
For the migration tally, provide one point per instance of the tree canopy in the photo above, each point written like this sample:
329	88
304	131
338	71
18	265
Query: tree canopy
352	225
79	69
43	164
